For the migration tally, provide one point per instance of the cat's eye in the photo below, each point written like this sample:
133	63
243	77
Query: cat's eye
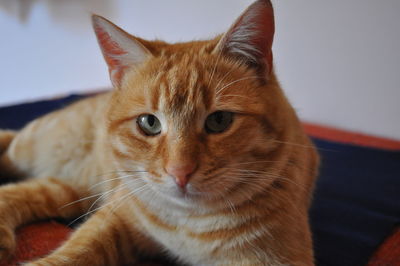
218	122
149	124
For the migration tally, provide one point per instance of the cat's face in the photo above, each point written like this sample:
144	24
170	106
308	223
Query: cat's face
194	123
196	119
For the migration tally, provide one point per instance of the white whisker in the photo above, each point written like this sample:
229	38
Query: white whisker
214	69
133	192
220	90
112	179
223	78
114	190
235	95
98	208
79	200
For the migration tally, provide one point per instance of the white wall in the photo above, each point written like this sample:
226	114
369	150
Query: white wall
337	60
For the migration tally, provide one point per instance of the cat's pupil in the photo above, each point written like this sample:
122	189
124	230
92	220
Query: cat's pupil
150	120
218	117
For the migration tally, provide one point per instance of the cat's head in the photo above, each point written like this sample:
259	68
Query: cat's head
198	118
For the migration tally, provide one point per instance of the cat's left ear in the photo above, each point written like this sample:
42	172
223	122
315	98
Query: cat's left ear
120	49
250	38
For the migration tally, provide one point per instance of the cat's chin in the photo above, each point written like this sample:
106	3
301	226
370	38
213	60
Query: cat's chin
187	195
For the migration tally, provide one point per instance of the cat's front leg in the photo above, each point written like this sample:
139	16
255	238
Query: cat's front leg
104	239
33	200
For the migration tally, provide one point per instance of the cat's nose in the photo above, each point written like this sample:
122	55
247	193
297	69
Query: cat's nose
181	172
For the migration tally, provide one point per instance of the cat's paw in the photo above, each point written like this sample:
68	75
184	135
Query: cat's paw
7	242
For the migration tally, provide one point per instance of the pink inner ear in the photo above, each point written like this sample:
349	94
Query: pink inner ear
110	49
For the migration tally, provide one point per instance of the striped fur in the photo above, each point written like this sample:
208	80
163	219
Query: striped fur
247	200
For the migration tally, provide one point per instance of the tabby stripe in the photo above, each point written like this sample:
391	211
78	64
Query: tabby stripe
71	196
121	241
155	98
128	138
160	149
249	227
151	217
119	154
113	125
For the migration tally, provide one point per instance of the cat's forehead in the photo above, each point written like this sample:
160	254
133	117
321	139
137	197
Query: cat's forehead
202	82
181	85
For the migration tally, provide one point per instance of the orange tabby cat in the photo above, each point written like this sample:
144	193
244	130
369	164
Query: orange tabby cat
196	154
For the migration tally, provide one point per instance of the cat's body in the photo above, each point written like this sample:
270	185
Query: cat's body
65	150
201	191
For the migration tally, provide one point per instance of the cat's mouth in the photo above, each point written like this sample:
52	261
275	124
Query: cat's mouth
187	193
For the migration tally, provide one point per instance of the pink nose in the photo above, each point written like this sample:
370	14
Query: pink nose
181	172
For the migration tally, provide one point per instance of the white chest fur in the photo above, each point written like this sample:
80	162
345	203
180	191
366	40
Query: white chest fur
192	238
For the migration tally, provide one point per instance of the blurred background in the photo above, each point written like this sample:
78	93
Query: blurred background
338	61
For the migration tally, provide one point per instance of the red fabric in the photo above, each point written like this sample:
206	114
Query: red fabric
388	253
337	135
37	240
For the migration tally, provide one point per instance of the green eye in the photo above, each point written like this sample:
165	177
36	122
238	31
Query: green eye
149	124
218	122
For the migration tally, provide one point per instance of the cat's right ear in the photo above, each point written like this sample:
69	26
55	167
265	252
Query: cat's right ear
121	50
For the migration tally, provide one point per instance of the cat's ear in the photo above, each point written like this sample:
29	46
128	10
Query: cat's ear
120	49
250	38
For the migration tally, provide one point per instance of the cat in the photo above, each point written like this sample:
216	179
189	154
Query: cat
195	155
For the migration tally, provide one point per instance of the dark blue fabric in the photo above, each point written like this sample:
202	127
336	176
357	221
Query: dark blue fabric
357	199
356	204
16	116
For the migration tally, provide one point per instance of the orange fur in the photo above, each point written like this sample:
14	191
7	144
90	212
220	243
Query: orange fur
248	188
6	136
7	171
